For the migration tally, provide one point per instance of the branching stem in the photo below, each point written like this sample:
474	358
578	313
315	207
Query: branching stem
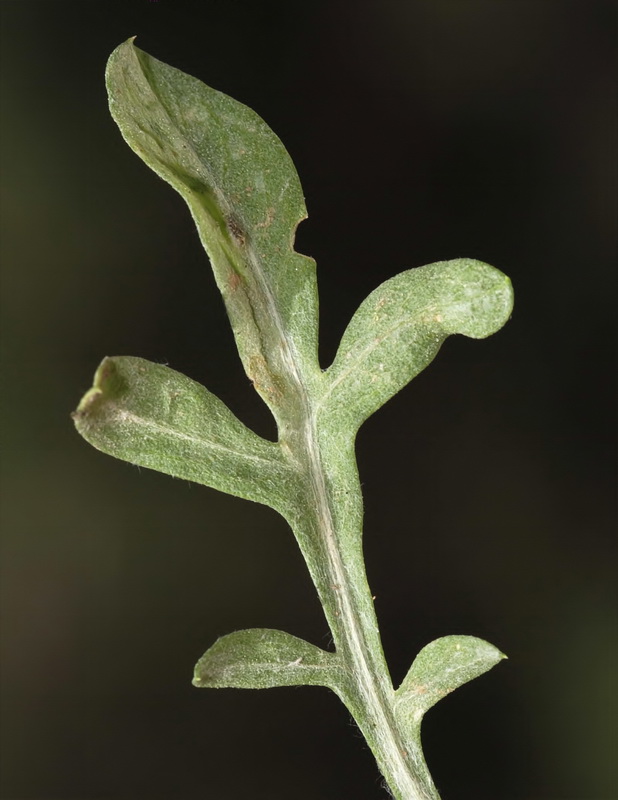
246	200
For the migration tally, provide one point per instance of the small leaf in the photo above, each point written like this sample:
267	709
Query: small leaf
152	416
246	199
261	658
399	328
440	667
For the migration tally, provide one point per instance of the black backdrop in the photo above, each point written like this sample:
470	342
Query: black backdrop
422	130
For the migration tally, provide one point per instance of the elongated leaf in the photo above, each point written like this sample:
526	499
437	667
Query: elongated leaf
150	415
261	658
438	669
399	328
245	197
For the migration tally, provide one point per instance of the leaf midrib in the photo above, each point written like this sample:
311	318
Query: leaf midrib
123	415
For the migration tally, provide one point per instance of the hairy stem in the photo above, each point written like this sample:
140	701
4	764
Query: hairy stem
339	575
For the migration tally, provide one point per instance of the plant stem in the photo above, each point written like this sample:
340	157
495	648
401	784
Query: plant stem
331	543
335	561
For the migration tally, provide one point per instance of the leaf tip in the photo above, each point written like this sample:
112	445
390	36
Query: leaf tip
91	396
486	301
107	383
197	681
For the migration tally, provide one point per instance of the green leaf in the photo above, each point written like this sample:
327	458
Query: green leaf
440	667
152	416
245	197
399	328
261	658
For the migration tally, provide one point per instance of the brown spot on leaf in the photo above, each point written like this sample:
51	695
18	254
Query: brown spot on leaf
270	216
262	378
235	281
236	230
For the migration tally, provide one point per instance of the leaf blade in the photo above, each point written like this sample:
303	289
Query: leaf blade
152	416
245	197
399	328
441	667
262	658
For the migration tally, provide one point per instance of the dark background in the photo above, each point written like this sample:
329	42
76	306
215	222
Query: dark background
422	130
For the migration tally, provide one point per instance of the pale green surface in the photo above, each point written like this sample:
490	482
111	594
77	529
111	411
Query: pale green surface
437	670
151	415
398	330
246	200
262	658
